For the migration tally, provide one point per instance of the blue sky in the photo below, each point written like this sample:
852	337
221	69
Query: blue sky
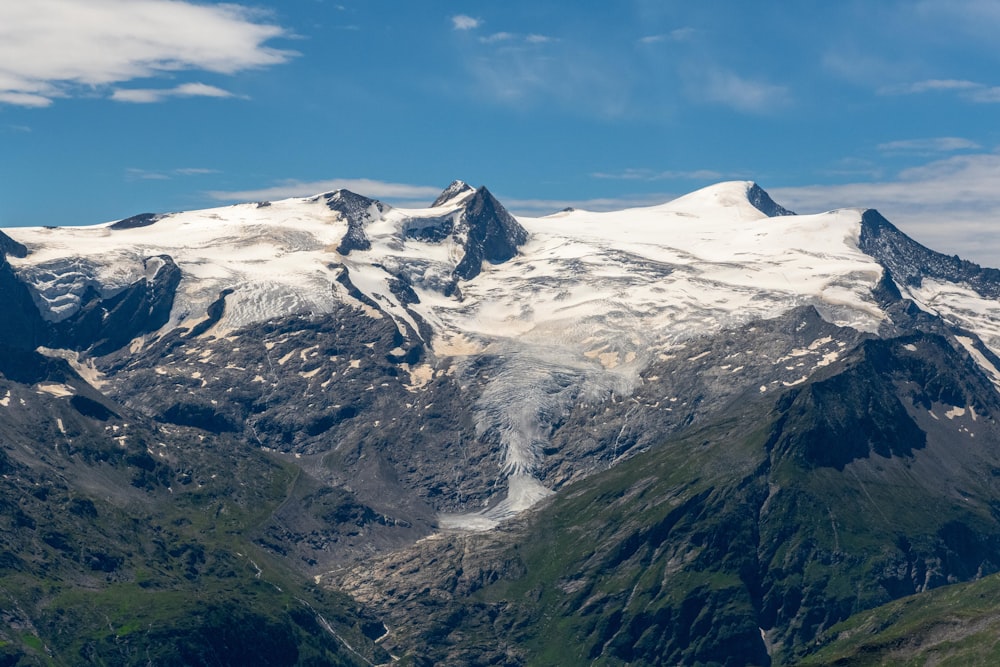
113	107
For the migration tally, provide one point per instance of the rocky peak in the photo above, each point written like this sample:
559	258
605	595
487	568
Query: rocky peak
493	235
763	202
910	262
454	190
358	211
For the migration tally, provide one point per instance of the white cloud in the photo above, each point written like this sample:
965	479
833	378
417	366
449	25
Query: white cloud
951	205
151	95
58	48
24	99
463	22
362	186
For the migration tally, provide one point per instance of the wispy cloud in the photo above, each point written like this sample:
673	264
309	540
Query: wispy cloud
928	146
195	171
136	174
717	86
677	35
363	186
152	95
524	71
542	207
952	205
497	37
51	49
969	90
653	175
464	22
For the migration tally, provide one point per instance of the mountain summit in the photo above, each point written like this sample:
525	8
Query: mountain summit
762	423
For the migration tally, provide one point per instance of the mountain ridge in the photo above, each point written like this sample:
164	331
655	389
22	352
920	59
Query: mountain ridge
743	407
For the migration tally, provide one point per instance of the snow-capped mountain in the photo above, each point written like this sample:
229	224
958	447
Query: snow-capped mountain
447	368
585	299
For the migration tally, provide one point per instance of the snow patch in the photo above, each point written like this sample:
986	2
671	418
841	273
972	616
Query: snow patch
955	412
55	389
980	359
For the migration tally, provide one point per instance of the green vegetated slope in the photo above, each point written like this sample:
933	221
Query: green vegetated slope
953	626
125	542
742	541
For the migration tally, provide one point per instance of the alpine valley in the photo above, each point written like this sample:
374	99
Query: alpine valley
329	431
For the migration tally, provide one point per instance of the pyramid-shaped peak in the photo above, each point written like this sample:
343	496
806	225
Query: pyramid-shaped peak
456	189
493	235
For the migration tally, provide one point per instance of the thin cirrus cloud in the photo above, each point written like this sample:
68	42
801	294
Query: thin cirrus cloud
136	174
653	175
368	187
725	88
928	146
969	90
677	35
51	49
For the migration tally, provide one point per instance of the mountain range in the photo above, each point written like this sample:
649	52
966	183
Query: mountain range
327	430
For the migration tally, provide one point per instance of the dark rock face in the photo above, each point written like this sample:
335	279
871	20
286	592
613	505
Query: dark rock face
763	202
103	325
22	325
357	210
136	221
910	262
493	234
9	246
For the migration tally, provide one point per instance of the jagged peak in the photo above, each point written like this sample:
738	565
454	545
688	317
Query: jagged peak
910	262
762	201
350	203
456	189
